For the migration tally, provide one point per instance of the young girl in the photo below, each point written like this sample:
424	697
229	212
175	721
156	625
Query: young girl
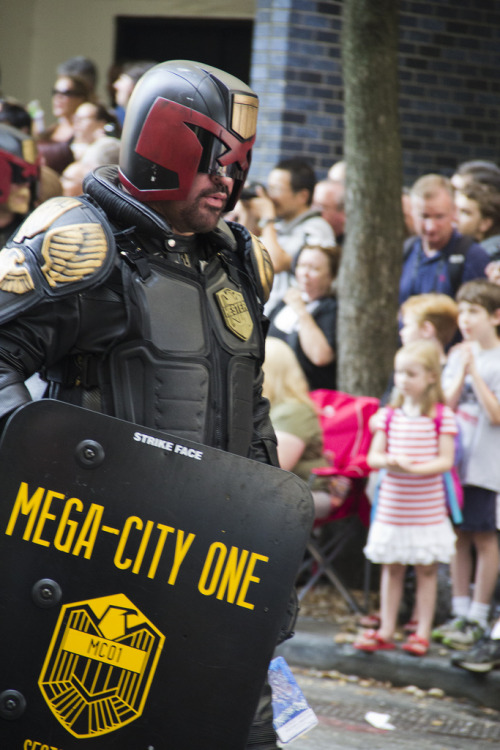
411	525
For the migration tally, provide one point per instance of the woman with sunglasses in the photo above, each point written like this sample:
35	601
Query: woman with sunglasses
54	145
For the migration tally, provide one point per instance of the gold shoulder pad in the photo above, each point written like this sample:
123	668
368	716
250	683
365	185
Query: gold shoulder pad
73	253
263	267
65	239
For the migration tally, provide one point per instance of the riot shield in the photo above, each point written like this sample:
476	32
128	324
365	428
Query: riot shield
144	583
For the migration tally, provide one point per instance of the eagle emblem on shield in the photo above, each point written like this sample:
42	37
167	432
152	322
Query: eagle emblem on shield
100	665
235	312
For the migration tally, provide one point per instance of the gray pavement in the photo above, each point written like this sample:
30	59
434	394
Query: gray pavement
314	646
418	720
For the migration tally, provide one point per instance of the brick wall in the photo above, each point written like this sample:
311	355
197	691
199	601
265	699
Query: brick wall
449	70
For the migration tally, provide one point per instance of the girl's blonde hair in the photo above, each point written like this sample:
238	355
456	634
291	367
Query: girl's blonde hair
426	353
284	379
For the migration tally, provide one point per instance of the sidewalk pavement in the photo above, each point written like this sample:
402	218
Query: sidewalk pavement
314	646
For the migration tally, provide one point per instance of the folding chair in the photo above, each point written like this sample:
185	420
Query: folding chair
346	439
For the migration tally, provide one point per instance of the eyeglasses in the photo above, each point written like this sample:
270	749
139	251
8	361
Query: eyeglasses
66	92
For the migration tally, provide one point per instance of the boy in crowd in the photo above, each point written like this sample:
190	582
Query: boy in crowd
426	316
478	215
493	271
429	316
471	382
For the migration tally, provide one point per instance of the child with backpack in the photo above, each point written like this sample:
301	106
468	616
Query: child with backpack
414	443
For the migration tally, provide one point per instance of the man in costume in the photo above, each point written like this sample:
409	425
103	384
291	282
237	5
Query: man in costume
137	299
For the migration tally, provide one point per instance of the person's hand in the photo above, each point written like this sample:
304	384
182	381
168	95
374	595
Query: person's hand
293	298
243	215
339	487
467	357
236	213
261	208
405	464
399	463
457	347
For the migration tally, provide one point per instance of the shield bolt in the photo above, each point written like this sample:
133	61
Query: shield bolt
46	593
89	454
12	704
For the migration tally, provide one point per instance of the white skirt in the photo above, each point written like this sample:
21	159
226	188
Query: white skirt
410	545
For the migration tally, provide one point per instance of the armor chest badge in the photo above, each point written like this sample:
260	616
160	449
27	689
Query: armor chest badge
100	665
235	313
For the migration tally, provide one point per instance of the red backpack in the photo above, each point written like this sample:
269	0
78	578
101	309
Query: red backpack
346	434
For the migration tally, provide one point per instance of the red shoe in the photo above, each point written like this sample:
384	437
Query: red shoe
410	626
369	621
416	645
371	641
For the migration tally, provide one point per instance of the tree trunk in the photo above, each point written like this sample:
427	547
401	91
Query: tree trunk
372	254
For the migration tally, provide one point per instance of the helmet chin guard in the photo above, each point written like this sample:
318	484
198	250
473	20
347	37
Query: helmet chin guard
184	118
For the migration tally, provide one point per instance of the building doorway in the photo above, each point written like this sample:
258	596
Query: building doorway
223	43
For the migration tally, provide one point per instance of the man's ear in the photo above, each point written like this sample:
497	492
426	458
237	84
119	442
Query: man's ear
495	316
484	226
305	195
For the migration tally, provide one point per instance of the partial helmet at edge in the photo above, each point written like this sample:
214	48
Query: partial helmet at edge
19	161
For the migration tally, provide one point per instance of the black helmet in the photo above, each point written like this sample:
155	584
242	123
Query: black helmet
19	162
186	117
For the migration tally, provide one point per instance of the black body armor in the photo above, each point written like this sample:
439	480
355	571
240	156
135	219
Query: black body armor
158	329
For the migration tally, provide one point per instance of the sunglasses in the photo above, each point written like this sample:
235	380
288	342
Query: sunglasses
66	92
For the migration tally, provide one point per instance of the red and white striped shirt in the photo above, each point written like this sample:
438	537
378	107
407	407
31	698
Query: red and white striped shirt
409	499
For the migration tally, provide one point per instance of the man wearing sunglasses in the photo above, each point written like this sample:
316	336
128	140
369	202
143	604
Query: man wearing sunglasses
54	143
141	281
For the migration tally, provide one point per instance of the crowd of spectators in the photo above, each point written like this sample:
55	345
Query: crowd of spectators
81	133
452	252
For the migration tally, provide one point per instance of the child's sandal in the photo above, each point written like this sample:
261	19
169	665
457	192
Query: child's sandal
371	621
371	641
416	645
410	626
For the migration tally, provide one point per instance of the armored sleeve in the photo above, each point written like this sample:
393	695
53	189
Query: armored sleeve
62	249
31	341
264	444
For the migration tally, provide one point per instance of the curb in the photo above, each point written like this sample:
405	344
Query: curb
313	647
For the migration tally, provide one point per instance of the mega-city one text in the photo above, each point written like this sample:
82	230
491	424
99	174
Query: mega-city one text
51	519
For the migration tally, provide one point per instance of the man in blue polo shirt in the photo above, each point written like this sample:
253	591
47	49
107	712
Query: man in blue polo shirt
438	258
